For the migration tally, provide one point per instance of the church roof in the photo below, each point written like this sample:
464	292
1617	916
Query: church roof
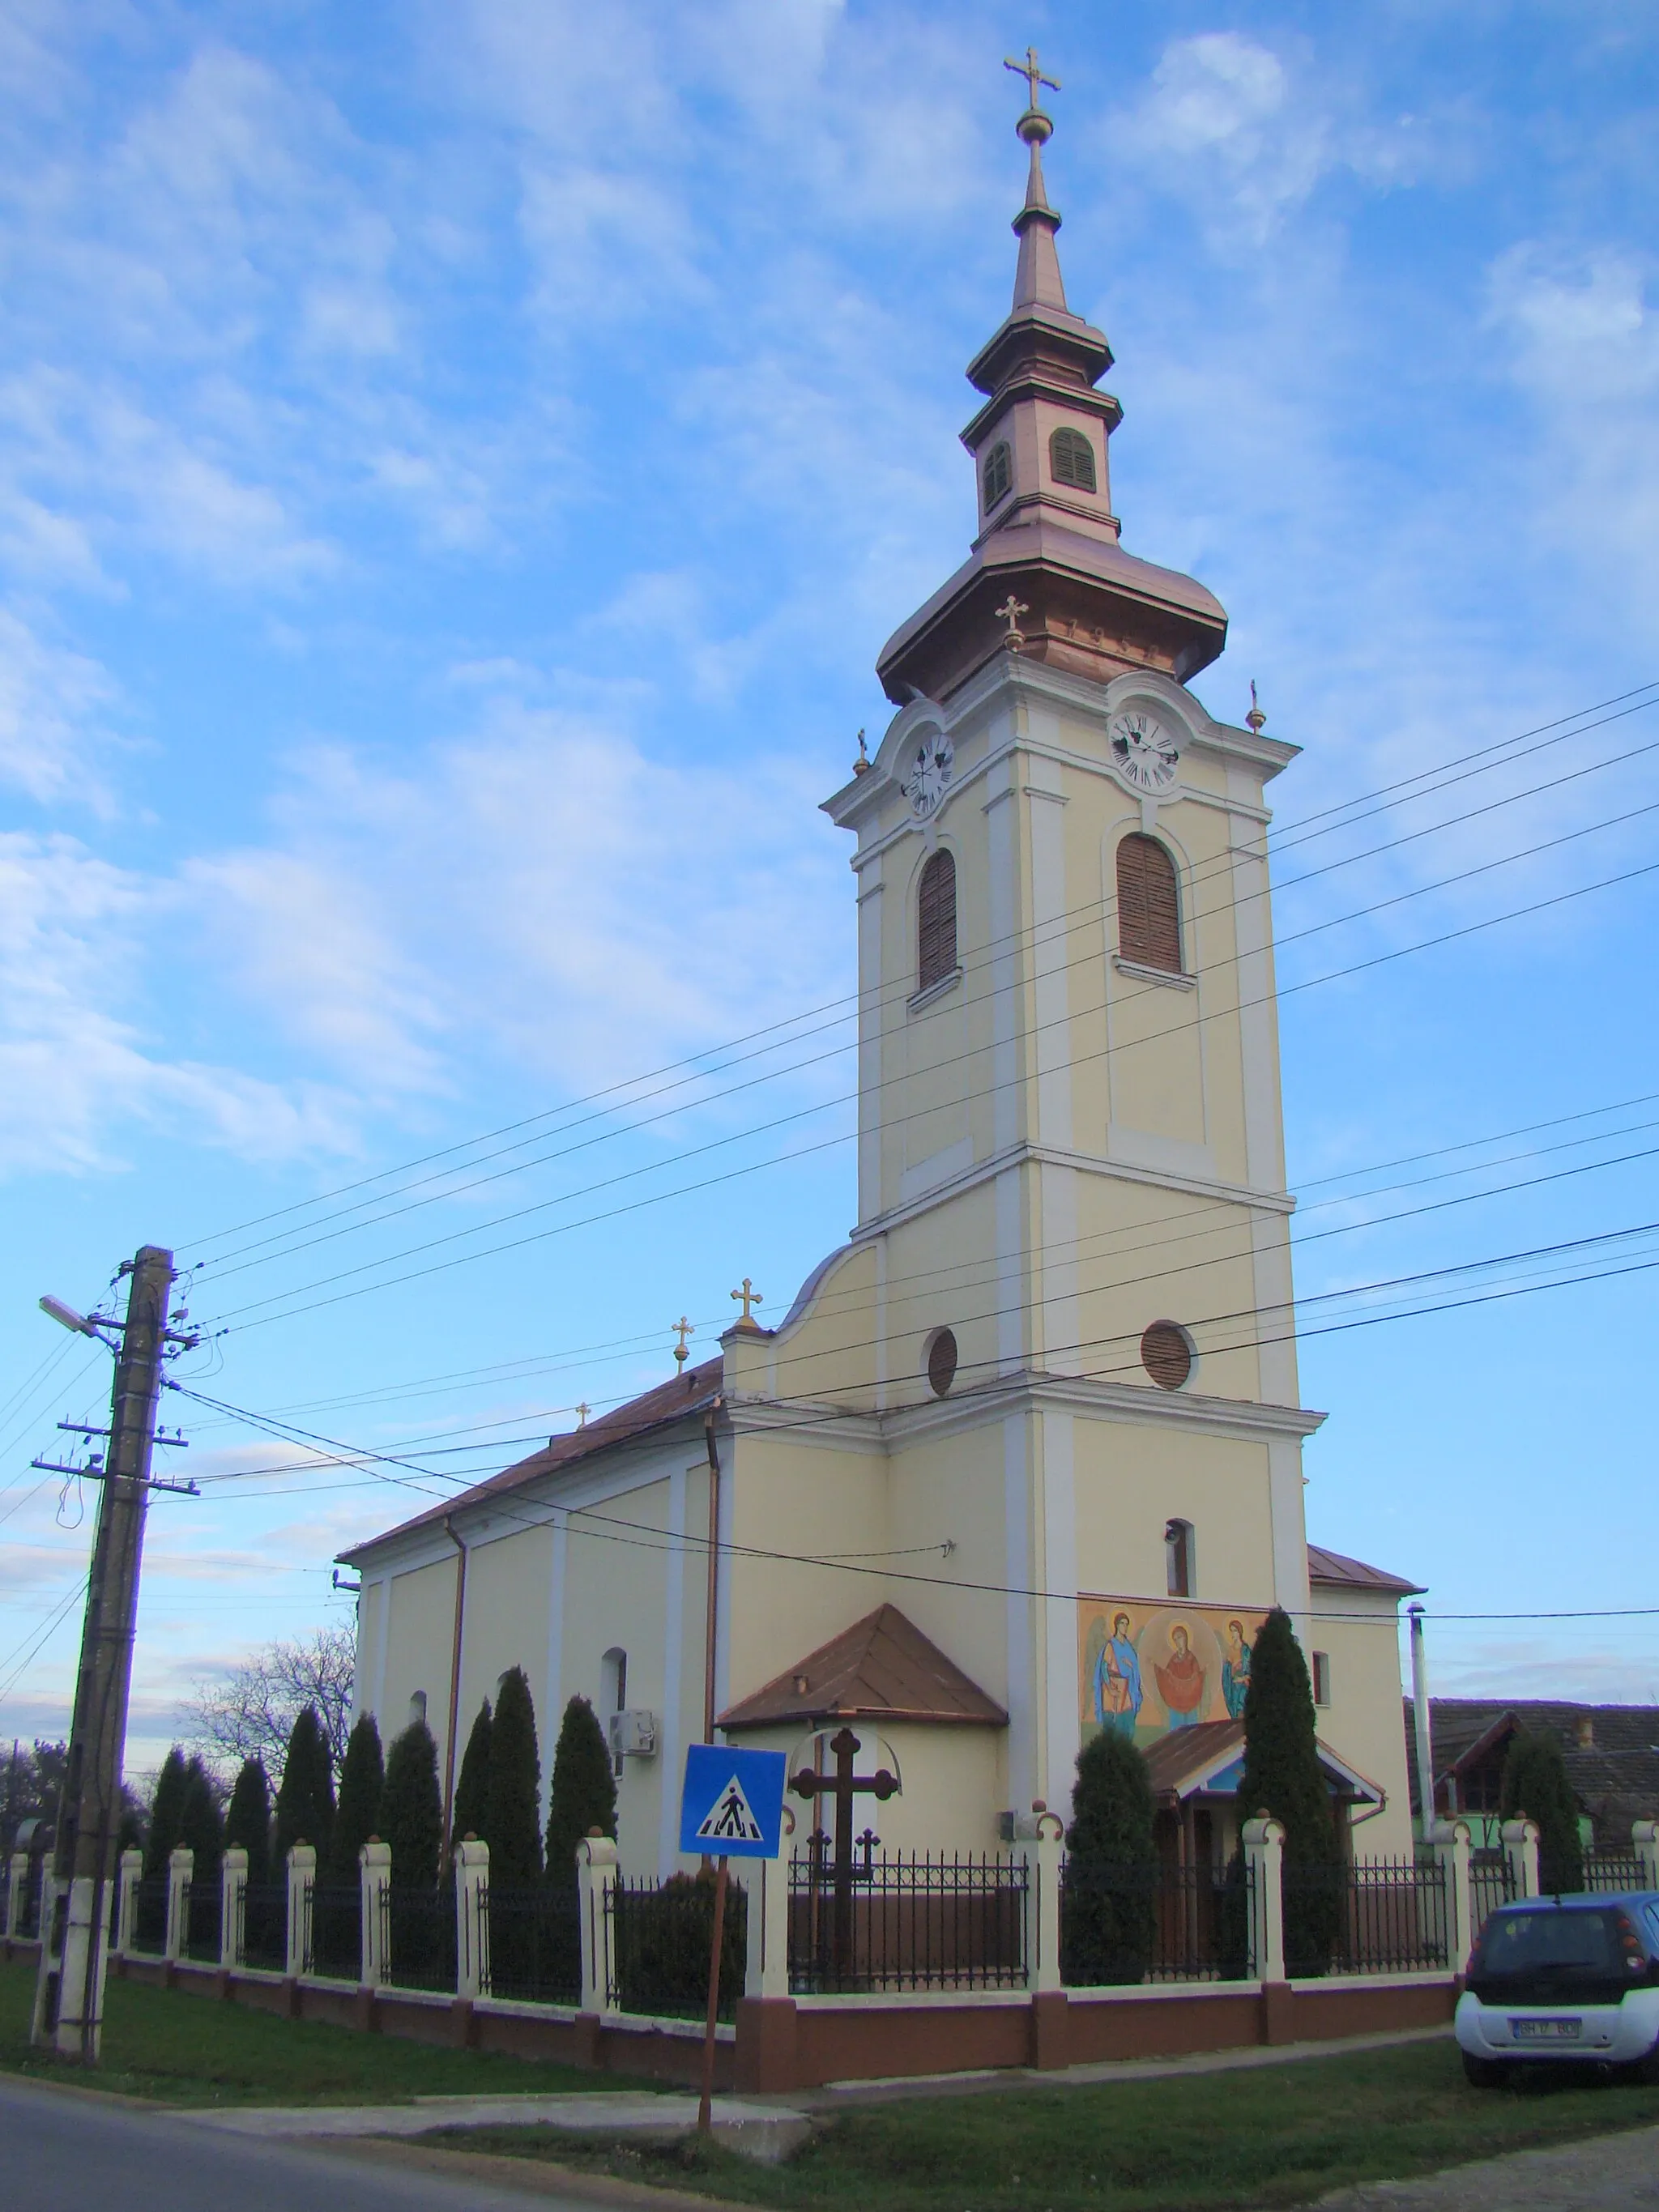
882	1668
1334	1571
691	1394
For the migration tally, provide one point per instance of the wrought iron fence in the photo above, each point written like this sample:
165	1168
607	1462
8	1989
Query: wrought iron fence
532	1944
1492	1883
662	1934
417	1937
907	1921
334	1933
1606	1871
28	1905
260	1938
1379	1916
150	1915
1128	1925
202	1906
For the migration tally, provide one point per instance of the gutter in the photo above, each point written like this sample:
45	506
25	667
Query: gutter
454	1686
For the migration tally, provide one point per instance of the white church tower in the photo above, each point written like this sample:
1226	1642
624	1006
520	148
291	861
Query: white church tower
1058	1347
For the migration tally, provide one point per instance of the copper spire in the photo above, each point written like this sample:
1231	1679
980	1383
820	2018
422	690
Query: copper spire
1037	281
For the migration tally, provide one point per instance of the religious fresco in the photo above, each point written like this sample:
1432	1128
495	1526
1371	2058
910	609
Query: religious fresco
1145	1668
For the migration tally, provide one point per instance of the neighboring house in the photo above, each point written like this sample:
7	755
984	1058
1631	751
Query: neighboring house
1612	1754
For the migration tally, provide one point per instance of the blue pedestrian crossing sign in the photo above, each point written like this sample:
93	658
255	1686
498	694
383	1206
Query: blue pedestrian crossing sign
731	1806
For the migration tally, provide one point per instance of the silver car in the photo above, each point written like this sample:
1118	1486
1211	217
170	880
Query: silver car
1563	1979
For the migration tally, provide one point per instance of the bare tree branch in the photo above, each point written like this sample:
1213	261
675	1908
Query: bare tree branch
249	1711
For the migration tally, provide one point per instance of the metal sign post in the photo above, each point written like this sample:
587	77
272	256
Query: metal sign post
731	1804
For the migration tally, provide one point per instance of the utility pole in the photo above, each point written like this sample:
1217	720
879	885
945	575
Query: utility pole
69	2001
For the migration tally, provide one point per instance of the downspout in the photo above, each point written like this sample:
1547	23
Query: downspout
711	1638
1420	1720
454	1683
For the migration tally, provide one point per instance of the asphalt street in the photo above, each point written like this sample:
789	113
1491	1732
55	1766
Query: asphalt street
69	2153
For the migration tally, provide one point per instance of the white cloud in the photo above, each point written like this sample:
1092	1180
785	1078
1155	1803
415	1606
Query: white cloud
52	716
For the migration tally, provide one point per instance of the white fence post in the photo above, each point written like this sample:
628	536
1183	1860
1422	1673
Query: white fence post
1644	1842
374	1877
1264	1855
232	1896
301	1881
1043	1858
595	1881
1449	1840
766	1965
1521	1849
180	1866
471	1918
128	1876
17	1889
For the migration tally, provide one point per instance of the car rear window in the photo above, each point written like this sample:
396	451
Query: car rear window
1579	1941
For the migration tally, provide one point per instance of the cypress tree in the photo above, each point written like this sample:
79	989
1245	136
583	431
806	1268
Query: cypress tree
473	1784
411	1816
305	1796
583	1794
1535	1786
362	1776
1111	1867
201	1824
247	1821
164	1814
1282	1778
512	1825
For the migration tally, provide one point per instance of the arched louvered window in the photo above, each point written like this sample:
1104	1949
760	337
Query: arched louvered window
936	921
1148	904
1071	459
997	474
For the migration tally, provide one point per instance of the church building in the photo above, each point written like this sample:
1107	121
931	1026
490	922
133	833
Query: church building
1022	1461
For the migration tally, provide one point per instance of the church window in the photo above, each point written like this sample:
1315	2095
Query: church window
1166	1354
1071	459
1148	905
941	1361
936	921
997	474
1178	1558
1321	1678
613	1695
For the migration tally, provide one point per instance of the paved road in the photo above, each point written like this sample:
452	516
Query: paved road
1609	2174
75	2155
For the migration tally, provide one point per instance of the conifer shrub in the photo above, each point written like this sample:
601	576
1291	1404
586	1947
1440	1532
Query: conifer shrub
165	1808
411	1818
1534	1786
1282	1779
512	1825
583	1794
201	1824
305	1795
1109	1927
247	1820
362	1776
473	1784
664	1935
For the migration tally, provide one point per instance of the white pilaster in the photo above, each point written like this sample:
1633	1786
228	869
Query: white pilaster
180	1869
301	1881
232	1902
1061	1729
596	1879
1264	1856
374	1881
472	1917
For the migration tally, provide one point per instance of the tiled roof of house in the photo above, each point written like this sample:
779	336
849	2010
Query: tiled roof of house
882	1668
1614	1775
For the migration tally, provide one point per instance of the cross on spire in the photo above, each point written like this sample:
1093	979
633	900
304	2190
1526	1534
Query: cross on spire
1033	76
682	1329
750	1297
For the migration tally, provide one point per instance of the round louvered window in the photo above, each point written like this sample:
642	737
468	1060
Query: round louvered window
941	1361
1166	1354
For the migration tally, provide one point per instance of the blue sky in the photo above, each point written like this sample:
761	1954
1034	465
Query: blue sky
457	467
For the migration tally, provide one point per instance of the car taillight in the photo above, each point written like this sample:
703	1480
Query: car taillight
1636	1958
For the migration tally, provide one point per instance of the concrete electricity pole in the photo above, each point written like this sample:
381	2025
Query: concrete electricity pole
68	2002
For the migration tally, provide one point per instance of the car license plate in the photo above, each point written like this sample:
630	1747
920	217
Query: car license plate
1546	2031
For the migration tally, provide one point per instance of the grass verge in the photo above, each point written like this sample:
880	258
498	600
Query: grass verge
179	2049
1267	2137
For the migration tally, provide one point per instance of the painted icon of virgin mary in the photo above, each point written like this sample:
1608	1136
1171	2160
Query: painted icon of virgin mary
1181	1683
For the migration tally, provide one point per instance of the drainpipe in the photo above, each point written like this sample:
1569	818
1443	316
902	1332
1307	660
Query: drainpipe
711	1637
1420	1717
454	1681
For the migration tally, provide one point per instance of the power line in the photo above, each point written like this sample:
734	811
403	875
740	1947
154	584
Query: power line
1088	909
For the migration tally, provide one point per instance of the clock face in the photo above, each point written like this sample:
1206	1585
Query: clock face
930	772
1146	752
